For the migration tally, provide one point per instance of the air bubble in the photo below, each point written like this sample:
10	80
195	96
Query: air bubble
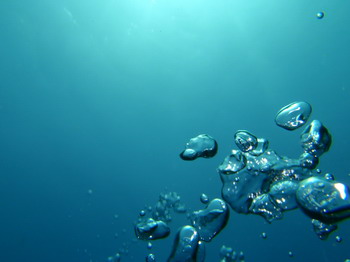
200	146
308	161
227	254
328	203
320	15
338	239
233	163
316	139
294	115
204	198
329	176
262	146
283	194
185	245
245	141
210	221
263	205
150	258
151	229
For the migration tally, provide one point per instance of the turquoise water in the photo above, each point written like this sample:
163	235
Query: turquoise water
98	98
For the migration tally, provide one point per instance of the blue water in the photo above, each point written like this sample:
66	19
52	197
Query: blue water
98	98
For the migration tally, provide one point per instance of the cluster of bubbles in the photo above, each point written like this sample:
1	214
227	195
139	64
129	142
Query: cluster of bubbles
189	240
155	226
227	254
256	180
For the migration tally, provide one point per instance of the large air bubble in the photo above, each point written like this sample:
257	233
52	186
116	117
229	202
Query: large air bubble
294	115
210	221
283	194
316	139
245	141
200	146
185	245
151	229
324	200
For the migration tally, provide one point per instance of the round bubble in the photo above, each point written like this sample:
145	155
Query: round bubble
320	15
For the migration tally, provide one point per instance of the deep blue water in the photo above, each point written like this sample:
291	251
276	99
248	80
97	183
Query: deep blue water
103	95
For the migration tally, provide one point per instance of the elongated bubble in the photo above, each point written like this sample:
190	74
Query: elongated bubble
151	229
294	115
200	146
210	221
200	257
204	198
316	139
185	245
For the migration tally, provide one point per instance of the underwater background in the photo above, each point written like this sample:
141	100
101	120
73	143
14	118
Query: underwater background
98	99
